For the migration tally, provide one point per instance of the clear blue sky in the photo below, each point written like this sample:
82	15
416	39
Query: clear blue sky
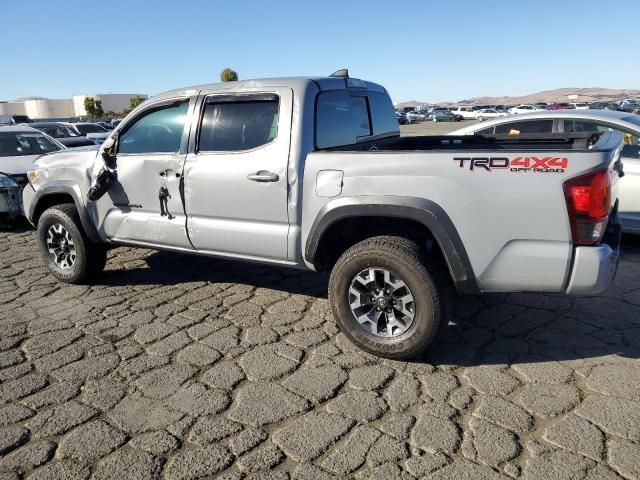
423	50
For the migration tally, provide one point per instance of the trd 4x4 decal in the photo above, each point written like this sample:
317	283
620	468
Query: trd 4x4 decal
518	164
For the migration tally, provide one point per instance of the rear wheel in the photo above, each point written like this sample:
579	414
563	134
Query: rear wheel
386	299
66	250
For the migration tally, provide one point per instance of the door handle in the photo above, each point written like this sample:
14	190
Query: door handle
263	176
166	173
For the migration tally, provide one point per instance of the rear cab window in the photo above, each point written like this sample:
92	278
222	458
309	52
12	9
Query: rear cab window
345	117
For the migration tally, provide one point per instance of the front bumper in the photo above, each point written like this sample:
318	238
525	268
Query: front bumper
594	268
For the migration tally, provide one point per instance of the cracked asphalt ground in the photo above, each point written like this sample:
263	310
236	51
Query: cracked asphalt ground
180	367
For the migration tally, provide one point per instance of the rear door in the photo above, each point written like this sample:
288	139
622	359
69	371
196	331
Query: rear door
236	186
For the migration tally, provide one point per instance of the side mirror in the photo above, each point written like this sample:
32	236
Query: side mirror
109	149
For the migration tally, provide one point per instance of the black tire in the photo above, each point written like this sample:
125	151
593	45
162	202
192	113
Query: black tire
424	279
90	258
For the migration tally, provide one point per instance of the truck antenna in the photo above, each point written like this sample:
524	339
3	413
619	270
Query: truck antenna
342	73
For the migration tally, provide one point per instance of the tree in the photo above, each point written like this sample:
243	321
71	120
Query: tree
135	101
99	112
228	75
90	107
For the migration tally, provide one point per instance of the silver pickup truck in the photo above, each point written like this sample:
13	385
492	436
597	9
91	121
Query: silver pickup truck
312	173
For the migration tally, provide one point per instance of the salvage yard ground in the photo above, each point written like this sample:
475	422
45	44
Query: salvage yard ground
190	367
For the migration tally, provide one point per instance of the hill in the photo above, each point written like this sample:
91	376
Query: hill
560	95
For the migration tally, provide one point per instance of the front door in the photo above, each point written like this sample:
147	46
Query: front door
236	178
145	204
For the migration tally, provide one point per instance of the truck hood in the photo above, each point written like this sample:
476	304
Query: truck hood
71	158
16	165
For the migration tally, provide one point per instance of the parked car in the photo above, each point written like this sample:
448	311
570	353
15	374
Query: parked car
467	112
560	106
541	105
603	106
416	116
631	106
402	119
396	220
93	131
64	132
487	113
20	146
582	121
523	109
14	119
580	105
443	116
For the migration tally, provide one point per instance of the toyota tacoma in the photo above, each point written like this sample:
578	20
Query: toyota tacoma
312	173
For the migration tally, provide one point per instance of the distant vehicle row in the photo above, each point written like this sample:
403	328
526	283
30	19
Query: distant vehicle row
485	112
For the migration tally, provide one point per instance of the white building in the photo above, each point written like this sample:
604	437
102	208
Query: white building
48	108
12	108
111	102
38	108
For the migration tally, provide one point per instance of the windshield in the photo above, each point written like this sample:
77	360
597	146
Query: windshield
85	128
15	144
59	131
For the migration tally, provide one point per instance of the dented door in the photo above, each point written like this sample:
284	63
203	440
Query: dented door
145	205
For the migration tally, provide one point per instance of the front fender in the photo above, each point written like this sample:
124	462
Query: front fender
33	199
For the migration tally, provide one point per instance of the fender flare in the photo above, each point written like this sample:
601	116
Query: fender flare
421	210
72	190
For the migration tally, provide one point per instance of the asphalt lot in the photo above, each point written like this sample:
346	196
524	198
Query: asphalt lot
185	367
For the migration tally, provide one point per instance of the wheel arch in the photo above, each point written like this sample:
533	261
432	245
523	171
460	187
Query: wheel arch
59	193
410	213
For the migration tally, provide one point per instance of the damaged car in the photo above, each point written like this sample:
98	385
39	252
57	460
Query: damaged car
20	146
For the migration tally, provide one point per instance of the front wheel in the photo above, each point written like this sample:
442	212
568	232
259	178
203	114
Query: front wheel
435	120
481	119
386	299
66	250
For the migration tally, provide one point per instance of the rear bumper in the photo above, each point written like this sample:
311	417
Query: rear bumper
594	268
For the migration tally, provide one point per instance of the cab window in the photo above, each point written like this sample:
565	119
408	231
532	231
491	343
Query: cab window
526	126
158	130
236	124
595	127
341	119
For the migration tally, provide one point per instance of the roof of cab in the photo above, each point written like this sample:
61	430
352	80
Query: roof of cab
295	83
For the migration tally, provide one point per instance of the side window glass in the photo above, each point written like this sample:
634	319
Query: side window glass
382	114
584	126
158	131
341	119
238	124
529	126
485	131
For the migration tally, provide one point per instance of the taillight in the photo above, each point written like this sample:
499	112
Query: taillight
588	200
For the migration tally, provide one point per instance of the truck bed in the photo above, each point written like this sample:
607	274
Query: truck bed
509	212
